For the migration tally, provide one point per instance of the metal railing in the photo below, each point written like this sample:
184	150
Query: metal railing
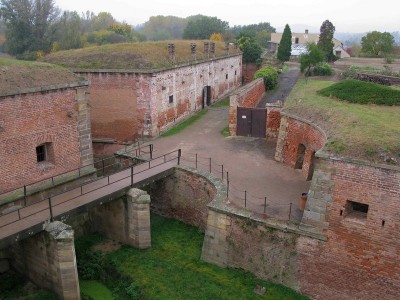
48	205
260	204
100	165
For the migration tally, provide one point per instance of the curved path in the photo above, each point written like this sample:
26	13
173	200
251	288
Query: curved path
250	162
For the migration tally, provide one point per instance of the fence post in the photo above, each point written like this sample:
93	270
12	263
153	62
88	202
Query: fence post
210	166
151	151
222	171
179	156
290	210
265	204
196	160
139	148
103	166
51	210
245	199
132	176
227	188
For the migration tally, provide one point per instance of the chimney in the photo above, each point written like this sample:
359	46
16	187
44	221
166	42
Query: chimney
306	31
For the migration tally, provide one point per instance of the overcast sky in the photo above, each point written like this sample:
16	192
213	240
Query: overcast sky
346	15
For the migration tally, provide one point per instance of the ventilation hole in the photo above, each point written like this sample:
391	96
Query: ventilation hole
383	223
341	212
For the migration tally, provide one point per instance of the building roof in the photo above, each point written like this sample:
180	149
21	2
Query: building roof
303	38
135	56
18	75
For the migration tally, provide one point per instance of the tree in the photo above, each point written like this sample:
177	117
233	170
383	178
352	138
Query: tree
216	37
163	27
325	40
202	28
285	46
67	32
313	57
377	43
251	49
28	23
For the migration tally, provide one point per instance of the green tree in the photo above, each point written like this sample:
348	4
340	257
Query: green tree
377	43
313	57
102	21
203	27
163	27
285	46
251	49
28	23
325	43
67	31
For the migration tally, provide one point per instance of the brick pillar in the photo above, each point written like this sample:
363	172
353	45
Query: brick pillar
50	262
139	221
215	246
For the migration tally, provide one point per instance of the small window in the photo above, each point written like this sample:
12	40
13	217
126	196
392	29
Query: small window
296	41
226	76
41	153
171	99
356	210
235	72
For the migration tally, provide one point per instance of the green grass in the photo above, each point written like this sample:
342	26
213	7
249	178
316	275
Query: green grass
172	268
225	131
221	103
352	128
95	289
184	124
361	92
143	56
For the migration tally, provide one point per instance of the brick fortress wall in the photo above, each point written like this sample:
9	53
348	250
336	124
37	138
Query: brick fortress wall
128	104
58	117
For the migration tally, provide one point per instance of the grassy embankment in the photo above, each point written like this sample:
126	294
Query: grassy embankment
356	130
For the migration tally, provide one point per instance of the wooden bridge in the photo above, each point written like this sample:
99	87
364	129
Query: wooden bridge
30	219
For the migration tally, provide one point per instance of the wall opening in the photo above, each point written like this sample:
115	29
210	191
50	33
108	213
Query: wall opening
356	210
312	166
301	150
44	153
296	41
171	99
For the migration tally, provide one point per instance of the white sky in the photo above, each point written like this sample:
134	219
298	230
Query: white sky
346	15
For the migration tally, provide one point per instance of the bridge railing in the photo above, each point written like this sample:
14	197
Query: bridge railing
102	166
47	206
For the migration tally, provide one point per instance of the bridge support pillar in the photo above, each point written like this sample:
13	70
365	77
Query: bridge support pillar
126	220
139	221
48	259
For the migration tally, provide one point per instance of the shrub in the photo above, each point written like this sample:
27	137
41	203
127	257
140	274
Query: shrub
270	77
322	69
361	92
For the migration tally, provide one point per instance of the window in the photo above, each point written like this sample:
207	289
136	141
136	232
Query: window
296	41
235	72
226	76
356	211
41	153
171	99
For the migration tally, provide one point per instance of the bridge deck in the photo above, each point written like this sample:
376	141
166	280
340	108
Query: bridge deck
38	213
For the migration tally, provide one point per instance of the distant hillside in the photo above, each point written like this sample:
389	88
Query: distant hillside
348	38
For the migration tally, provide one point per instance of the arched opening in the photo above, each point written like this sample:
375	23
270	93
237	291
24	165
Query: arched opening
301	150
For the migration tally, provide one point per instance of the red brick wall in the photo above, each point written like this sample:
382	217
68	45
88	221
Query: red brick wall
30	120
248	71
247	96
360	258
113	104
294	132
273	122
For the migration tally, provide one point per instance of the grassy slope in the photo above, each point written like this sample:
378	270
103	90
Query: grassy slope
361	131
172	269
95	289
146	55
18	74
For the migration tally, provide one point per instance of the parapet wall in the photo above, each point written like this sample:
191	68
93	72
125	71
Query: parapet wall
247	96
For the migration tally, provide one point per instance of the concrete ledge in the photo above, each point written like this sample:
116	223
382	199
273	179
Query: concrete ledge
84	83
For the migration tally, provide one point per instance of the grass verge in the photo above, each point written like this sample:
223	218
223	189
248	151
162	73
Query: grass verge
184	124
95	289
354	130
221	103
225	131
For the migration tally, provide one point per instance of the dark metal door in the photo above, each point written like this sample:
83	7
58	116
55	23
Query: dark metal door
251	122
208	95
243	121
